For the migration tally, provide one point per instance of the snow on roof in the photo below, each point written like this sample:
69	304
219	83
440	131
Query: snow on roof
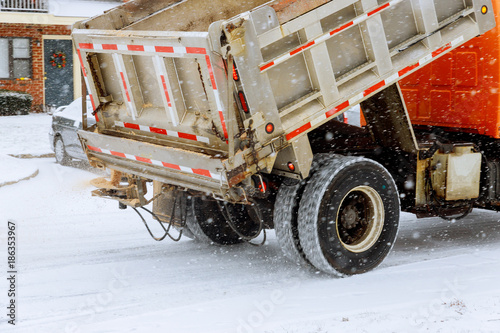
80	8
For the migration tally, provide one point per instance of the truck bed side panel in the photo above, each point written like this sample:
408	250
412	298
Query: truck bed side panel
460	90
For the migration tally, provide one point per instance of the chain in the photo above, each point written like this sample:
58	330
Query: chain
217	133
93	72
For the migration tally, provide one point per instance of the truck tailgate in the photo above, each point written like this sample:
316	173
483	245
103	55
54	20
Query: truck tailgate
157	87
157	162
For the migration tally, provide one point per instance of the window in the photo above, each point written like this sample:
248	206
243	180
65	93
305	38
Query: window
15	58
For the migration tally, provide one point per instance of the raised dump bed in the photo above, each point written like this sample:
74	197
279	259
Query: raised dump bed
161	85
227	106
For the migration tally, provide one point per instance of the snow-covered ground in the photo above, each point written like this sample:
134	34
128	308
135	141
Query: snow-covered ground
85	266
13	170
25	134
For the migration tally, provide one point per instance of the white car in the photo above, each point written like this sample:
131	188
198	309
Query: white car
66	121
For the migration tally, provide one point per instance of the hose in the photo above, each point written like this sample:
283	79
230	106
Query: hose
170	223
227	215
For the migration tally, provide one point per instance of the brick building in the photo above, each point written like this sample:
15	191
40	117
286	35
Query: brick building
36	52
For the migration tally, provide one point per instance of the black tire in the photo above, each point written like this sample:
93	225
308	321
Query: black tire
186	231
60	152
285	222
208	224
285	215
349	216
194	226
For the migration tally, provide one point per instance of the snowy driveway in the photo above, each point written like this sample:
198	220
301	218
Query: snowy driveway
85	266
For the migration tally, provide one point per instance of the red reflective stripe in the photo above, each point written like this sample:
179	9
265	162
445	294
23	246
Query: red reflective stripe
441	50
337	109
211	72
115	153
374	88
299	130
266	66
88	88
164	83
96	118
94	149
86	46
135	48
142	159
407	69
125	86
302	48
187	136
223	122
164	49
196	50
132	126
171	166
345	26
81	62
296	51
109	47
158	130
93	104
202	172
375	11
309	44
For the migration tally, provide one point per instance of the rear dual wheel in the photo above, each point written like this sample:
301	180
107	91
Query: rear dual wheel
348	216
286	222
208	222
285	215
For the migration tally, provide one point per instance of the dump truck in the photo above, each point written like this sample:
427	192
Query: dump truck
226	116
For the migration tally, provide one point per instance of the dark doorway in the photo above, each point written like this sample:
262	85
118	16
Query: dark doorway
58	67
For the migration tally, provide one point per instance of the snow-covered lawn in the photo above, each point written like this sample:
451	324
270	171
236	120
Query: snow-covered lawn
13	170
25	134
85	266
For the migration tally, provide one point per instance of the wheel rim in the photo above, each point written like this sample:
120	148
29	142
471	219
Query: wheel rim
360	219
59	150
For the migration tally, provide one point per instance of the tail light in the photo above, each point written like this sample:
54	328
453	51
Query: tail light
243	101
236	75
263	187
269	128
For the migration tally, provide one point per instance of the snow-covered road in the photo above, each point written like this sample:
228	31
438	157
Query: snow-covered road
85	266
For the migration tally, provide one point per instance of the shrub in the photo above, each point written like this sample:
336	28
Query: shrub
14	103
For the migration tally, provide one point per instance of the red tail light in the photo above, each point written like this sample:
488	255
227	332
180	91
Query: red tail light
263	187
236	75
243	101
269	128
